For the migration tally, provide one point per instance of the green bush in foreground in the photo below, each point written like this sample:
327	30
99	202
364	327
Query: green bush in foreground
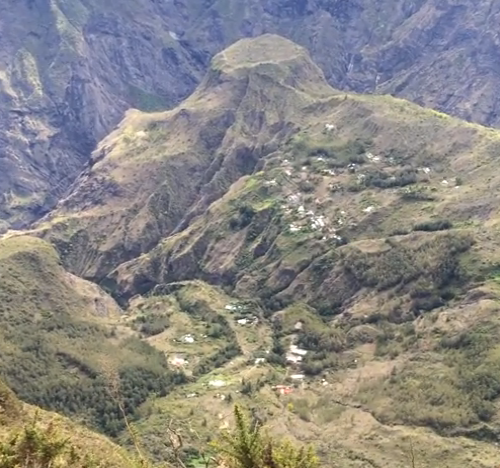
246	447
34	447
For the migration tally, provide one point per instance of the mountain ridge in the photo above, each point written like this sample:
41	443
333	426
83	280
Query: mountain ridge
98	62
226	125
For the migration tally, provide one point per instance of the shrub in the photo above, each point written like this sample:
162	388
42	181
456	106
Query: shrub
306	186
216	331
457	387
37	447
245	447
217	359
242	218
399	232
316	363
384	180
151	324
416	195
436	260
330	340
435	225
248	447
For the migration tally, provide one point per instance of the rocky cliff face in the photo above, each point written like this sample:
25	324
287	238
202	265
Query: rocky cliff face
68	70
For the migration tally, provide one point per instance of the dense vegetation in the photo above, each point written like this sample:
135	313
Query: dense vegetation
55	355
341	236
336	155
85	392
39	446
217	327
151	324
463	395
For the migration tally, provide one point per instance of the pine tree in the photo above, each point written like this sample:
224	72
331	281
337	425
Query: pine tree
248	447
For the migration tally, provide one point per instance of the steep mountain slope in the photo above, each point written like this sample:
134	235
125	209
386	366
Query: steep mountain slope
50	431
328	259
365	163
62	345
349	411
439	54
359	230
157	171
68	70
389	168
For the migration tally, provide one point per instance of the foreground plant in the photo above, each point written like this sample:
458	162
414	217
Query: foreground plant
249	447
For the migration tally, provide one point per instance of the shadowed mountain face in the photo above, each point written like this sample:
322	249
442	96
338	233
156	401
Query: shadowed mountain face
69	70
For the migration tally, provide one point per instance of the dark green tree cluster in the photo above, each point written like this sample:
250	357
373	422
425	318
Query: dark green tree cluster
433	225
85	391
430	273
242	218
323	344
217	359
384	180
151	324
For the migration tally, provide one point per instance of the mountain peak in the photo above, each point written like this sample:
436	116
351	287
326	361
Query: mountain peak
268	48
271	56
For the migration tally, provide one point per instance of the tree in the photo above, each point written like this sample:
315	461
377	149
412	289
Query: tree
41	446
37	447
248	447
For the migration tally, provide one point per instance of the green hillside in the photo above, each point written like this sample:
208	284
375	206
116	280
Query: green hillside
62	343
30	436
327	260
